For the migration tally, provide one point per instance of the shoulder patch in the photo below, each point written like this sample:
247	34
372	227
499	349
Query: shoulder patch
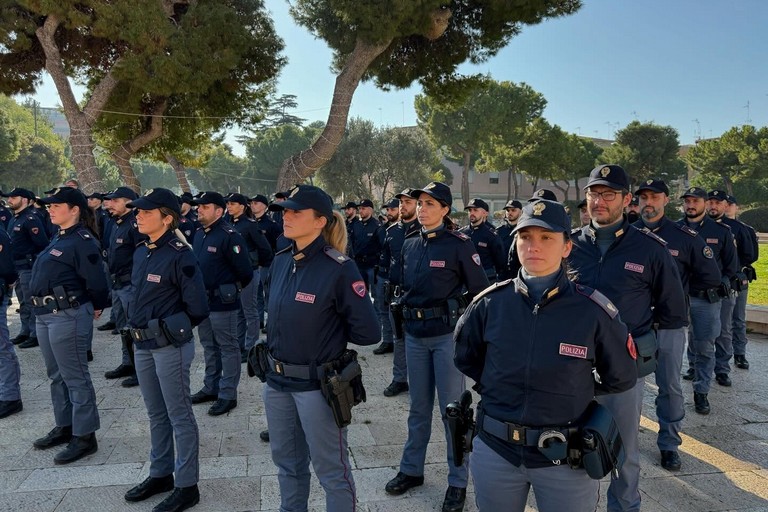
599	299
686	229
177	244
650	234
335	255
491	289
84	233
459	235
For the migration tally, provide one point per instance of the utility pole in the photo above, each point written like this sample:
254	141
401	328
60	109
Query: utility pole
697	133
749	119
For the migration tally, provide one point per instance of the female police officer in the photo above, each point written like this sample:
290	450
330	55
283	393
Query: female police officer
317	303
170	300
438	266
68	290
531	344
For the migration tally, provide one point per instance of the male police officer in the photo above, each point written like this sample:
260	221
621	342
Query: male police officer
583	213
223	258
350	212
700	277
720	241
10	371
633	210
487	243
512	211
28	238
366	244
271	232
391	214
636	272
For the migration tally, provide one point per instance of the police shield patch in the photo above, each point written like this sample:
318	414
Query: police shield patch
707	251
35	230
359	288
476	259
631	347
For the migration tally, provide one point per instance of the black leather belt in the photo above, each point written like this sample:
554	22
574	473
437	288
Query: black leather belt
295	371
142	334
519	434
423	313
50	303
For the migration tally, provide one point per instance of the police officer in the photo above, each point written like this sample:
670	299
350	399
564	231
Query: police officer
223	258
487	243
367	248
10	371
169	301
188	224
510	342
700	278
746	255
187	207
95	201
634	269
512	211
438	266
258	249
315	282
391	214
391	259
68	289
5	215
28	238
271	232
123	239
543	193
352	224
583	213
633	210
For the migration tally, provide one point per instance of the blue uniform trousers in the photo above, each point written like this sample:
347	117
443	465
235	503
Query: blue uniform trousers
10	371
249	300
125	297
670	403
740	323
430	367
500	485
705	327
724	342
218	336
368	277
302	429
163	375
116	311
262	295
383	311
26	314
399	362
623	493
64	339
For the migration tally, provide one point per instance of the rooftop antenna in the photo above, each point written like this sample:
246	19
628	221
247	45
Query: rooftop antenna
697	132
749	119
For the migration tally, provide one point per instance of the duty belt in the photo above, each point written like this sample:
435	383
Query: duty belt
423	313
519	434
64	301
295	371
142	334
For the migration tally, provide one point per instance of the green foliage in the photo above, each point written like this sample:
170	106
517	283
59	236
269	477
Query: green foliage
758	290
757	218
9	139
225	172
646	150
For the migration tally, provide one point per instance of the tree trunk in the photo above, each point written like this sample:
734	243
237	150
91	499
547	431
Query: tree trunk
181	172
465	177
511	187
728	183
123	154
80	120
299	167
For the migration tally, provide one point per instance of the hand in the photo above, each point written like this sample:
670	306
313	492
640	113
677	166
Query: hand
97	314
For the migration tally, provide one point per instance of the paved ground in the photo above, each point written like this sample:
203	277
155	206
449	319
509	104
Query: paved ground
725	454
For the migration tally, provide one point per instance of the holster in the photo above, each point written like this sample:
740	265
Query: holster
396	319
125	336
228	292
647	346
455	308
749	270
257	364
177	328
602	449
341	383
740	281
461	426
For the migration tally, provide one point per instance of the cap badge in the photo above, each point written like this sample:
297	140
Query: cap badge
538	208
605	171
649	182
540	193
430	186
149	192
294	191
56	191
692	189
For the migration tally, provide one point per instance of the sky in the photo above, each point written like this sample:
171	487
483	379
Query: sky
698	66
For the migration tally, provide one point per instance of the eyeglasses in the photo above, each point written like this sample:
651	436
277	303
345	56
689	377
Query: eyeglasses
608	195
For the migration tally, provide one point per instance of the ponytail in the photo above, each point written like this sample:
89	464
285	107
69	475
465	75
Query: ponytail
88	219
449	224
335	232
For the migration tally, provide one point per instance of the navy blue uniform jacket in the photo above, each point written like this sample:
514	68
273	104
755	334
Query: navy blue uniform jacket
28	237
392	249
489	246
123	240
258	247
719	238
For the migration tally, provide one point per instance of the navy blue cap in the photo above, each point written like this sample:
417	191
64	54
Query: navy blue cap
235	197
67	195
21	192
653	185
282	195
436	190
732	200
49	192
365	202
155	198
408	192
124	192
513	203
720	195
582	204
634	201
187	197
613	176
350	204
477	203
305	197
211	198
546	214
259	198
695	192
393	203
92	195
543	193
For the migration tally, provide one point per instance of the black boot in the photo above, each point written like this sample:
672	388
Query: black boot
106	327
8	407
124	370
78	447
57	436
384	348
701	403
182	498
21	338
454	499
150	487
29	343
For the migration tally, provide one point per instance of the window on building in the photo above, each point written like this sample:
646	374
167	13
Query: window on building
493	178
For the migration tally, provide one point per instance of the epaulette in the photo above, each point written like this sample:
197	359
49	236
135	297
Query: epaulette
85	234
177	244
575	231
228	228
599	299
650	234
492	288
335	255
686	229
460	236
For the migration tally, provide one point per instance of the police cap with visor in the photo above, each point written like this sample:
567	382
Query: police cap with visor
612	176
549	215
67	195
695	192
306	197
122	192
436	190
21	192
156	198
211	198
657	186
477	203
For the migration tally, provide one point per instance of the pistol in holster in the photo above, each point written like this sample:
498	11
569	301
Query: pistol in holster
341	382
127	339
257	363
455	308
396	318
461	426
597	446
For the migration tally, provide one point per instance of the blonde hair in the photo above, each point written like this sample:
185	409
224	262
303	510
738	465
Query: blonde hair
335	232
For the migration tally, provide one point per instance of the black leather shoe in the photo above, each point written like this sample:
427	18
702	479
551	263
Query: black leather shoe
701	403
723	379
264	435
57	436
222	406
402	483
244	357
8	407
741	362
150	487
21	338
29	343
106	327
130	382
689	374
180	499
114	331
201	397
670	460
384	348
89	355
124	370
395	388
78	447
454	499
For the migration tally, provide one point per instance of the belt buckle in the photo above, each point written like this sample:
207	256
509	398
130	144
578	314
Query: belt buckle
47	299
136	334
419	313
516	434
278	367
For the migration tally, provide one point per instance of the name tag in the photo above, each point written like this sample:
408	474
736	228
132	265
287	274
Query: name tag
153	278
674	252
118	240
482	244
55	252
437	264
569	350
712	240
305	297
211	249
634	267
